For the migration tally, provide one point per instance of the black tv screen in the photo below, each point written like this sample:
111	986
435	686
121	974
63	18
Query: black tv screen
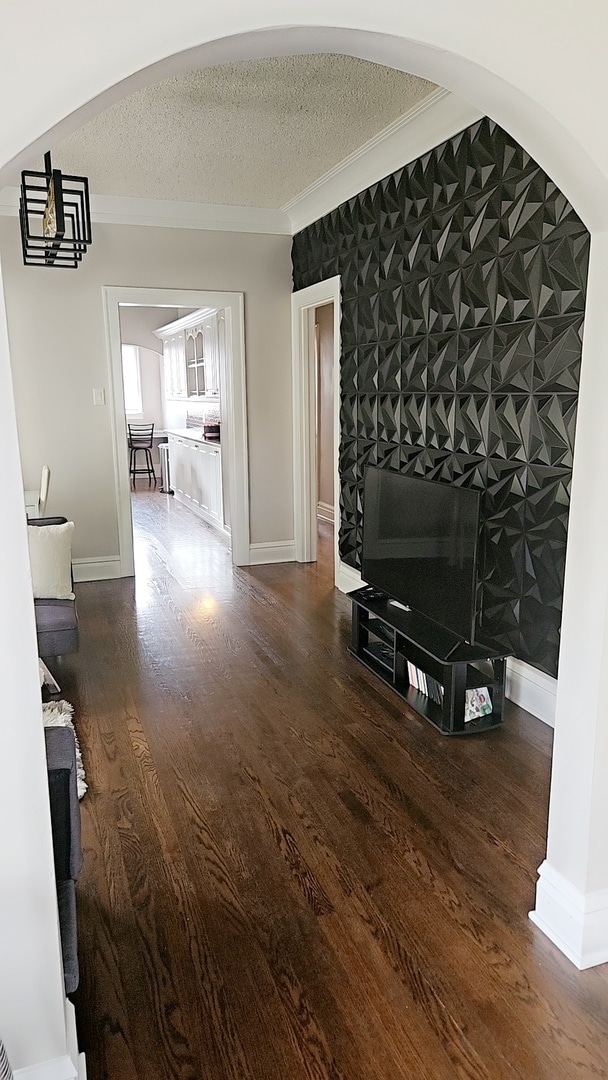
420	546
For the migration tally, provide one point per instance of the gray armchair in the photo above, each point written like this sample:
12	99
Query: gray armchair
56	620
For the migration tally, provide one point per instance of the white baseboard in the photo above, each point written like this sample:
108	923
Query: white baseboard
525	685
532	690
97	569
347	579
325	512
61	1068
576	922
279	551
72	1038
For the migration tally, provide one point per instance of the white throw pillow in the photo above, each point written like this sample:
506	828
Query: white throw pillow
51	560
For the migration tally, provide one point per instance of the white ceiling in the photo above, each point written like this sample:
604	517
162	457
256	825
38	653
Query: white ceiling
256	133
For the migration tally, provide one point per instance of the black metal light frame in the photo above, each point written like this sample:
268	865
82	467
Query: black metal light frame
55	217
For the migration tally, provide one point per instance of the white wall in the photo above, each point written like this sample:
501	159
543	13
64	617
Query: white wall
151	376
31	979
59	355
138	323
136	328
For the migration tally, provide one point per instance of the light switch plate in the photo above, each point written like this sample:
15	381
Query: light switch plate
99	397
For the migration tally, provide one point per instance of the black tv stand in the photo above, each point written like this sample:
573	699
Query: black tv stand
385	637
451	651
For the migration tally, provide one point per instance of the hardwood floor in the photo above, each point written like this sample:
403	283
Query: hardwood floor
287	876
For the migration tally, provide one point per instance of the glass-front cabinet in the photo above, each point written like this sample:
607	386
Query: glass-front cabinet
190	355
195	362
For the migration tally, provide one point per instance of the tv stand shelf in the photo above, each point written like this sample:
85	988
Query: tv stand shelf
385	636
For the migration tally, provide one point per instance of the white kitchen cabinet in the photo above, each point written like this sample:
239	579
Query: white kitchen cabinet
177	467
210	344
212	487
196	361
174	367
191	356
196	476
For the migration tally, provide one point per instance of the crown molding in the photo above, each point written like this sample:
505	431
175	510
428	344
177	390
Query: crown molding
163	213
186	321
440	116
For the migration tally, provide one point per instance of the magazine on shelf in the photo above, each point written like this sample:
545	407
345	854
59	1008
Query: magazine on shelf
477	703
435	690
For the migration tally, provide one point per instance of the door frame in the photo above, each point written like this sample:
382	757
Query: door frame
233	398
304	396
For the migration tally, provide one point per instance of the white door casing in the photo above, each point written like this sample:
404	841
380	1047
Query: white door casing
303	304
233	401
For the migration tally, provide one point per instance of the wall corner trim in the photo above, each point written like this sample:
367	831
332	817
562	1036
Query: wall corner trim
576	922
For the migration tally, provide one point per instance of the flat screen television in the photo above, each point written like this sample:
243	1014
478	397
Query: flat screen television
420	540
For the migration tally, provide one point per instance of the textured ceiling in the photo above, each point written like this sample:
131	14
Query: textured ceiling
255	133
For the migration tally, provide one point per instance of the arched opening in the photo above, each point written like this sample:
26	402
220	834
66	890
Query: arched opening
578	806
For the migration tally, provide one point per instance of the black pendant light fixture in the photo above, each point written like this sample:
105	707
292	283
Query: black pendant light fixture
55	217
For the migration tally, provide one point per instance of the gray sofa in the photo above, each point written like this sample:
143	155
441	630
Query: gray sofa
67	851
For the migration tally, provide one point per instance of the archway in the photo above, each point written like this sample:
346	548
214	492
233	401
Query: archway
485	64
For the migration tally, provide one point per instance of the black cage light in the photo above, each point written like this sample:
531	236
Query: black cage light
55	217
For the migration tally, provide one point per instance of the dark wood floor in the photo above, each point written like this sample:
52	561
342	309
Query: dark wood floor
287	877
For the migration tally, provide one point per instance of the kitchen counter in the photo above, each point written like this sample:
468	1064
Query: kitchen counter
195	468
193	434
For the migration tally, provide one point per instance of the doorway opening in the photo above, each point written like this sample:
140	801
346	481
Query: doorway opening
316	376
324	377
164	305
146	390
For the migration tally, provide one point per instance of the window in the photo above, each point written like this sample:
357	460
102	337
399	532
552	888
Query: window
131	378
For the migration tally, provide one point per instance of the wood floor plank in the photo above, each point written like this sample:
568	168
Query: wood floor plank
288	874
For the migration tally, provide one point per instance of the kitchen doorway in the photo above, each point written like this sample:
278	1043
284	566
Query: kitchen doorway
232	394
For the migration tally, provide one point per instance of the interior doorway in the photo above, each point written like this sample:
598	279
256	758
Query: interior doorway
324	369
146	402
232	393
307	345
324	374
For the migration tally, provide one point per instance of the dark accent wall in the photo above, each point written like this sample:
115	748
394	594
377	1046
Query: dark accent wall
463	293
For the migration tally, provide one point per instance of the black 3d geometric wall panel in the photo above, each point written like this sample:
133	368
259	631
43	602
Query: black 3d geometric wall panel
463	293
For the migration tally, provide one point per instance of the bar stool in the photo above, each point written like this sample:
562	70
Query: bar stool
35	501
141	438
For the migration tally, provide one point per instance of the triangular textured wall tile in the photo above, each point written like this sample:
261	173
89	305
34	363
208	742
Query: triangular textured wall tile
463	281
